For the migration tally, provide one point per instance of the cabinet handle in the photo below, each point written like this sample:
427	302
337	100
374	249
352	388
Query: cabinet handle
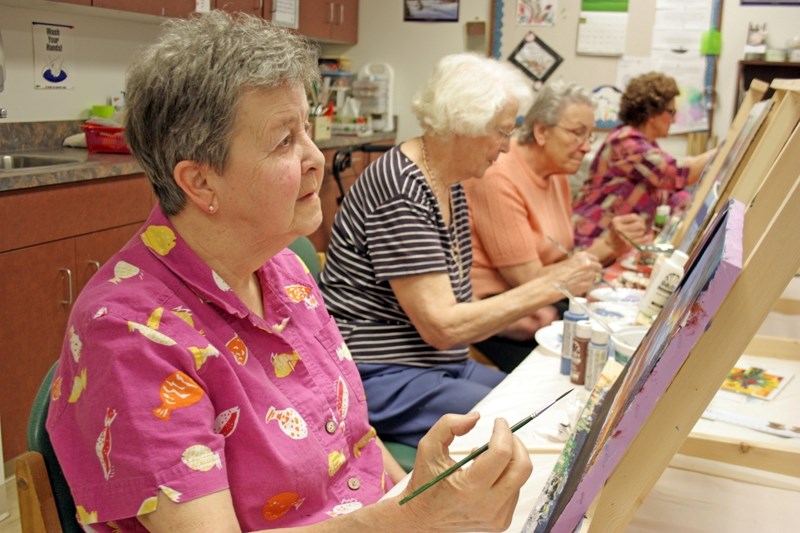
68	272
95	264
330	15
341	14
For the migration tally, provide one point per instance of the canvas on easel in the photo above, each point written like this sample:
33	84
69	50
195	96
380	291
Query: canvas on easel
592	453
609	486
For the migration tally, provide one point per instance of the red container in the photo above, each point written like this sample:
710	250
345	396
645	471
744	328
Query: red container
105	139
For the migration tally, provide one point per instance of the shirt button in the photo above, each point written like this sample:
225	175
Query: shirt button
354	483
330	427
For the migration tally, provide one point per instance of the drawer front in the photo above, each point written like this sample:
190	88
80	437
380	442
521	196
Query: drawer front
45	214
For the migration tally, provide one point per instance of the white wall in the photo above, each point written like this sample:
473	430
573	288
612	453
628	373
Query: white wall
782	22
103	47
411	48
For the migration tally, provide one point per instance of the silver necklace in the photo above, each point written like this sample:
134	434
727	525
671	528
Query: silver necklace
455	249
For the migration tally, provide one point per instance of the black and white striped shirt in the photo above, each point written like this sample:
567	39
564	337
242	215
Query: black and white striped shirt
390	226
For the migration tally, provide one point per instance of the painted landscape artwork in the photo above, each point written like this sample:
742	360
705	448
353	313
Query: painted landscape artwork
618	409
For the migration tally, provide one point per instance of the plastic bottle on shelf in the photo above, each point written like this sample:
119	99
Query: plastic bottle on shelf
661	285
596	355
580	349
661	218
571	317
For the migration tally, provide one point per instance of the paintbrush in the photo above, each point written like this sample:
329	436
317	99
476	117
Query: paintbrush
659	248
568	253
477	452
594	316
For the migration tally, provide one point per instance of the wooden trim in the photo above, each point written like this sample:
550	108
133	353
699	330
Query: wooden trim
777	347
37	506
778	458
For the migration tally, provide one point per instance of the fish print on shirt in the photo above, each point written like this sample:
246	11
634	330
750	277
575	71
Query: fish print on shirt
150	334
201	458
290	422
103	446
226	422
336	460
219	282
343	353
346	507
75	344
238	348
284	363
280	504
363	441
160	239
85	517
177	390
342	400
201	355
124	270
78	386
301	293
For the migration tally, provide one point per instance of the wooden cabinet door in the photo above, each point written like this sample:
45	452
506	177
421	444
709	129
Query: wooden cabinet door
94	249
162	8
251	7
33	319
316	17
344	27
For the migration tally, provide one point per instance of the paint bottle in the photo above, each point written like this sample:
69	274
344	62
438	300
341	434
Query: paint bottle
661	285
571	317
580	351
661	218
596	355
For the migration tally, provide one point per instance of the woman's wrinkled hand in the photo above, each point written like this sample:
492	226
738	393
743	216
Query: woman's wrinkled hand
478	497
579	273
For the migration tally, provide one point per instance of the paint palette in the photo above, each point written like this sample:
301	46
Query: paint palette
549	337
615	313
618	295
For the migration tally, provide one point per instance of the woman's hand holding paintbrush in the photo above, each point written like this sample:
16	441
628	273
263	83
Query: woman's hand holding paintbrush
479	451
568	253
578	273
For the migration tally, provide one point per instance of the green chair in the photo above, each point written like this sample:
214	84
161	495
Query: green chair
403	454
45	502
306	251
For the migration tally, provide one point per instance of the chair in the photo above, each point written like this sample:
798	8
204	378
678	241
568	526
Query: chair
306	251
45	502
402	453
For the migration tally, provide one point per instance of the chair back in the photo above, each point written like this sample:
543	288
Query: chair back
39	441
306	251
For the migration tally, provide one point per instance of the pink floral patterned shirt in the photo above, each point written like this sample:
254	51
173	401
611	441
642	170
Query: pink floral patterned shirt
629	174
167	382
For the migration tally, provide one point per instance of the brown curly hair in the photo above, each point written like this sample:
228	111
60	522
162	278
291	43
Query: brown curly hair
645	96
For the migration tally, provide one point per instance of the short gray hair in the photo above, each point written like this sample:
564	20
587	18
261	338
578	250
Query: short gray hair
551	101
182	92
466	92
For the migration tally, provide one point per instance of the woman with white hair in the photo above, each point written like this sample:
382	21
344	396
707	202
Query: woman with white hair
397	276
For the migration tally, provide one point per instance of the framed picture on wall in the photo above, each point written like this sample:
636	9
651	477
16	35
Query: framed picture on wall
535	58
430	10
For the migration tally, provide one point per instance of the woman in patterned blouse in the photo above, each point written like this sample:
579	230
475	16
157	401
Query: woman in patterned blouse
631	173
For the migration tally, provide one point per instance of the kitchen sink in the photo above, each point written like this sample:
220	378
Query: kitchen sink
20	161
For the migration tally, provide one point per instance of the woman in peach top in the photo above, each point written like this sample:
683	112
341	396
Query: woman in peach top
523	204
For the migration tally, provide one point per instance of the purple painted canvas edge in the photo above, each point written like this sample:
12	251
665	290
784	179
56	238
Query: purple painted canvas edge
674	356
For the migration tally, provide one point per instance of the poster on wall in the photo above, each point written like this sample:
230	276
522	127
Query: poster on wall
537	60
536	12
53	60
430	10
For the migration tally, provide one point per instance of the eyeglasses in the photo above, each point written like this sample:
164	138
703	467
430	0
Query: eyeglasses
671	111
581	135
507	134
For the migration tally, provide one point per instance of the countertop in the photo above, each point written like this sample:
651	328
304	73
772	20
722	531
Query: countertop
92	166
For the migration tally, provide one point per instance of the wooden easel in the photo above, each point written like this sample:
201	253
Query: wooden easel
754	94
771	256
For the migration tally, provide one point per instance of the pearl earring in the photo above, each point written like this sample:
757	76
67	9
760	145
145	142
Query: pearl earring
211	208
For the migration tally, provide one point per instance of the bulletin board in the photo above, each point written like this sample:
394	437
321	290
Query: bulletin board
642	43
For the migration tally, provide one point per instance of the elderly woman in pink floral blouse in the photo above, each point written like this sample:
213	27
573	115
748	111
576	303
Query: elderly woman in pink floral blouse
631	173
